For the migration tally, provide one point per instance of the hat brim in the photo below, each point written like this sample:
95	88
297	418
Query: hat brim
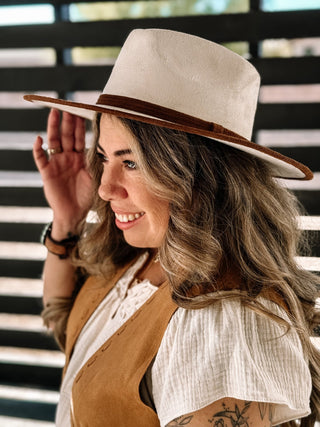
282	166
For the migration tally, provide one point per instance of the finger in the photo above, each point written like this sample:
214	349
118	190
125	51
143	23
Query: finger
79	132
67	131
53	129
39	154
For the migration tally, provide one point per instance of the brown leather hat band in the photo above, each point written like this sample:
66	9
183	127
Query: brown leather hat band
163	113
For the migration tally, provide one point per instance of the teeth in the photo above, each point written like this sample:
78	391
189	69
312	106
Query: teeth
128	218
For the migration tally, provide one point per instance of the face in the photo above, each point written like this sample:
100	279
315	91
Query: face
142	216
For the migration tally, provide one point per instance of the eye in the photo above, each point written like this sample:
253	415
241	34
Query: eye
101	157
130	164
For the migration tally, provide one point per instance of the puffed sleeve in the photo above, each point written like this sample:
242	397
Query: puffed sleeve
228	350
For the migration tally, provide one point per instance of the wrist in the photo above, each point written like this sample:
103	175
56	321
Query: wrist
61	230
62	247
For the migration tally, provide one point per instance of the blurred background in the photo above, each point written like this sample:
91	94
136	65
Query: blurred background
67	49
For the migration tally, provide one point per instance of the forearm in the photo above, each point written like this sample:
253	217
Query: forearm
59	278
59	274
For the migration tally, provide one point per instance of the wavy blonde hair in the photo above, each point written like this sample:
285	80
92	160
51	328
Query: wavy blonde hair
227	213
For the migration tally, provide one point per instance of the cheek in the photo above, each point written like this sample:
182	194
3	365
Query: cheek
161	215
156	208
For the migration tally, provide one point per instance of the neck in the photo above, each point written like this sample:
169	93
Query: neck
152	271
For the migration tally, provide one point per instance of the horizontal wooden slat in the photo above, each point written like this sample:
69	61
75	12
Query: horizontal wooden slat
40	411
313	237
60	78
310	200
18	196
287	116
286	71
304	70
17	160
20	232
20	305
27	339
34	376
21	268
233	27
23	120
315	248
307	155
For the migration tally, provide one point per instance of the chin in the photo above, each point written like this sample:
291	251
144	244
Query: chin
141	243
137	243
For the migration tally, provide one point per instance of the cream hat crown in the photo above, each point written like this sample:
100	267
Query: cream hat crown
184	82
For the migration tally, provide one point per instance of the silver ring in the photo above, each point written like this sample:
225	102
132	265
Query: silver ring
52	151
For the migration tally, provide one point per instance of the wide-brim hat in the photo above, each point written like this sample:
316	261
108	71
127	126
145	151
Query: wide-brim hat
179	81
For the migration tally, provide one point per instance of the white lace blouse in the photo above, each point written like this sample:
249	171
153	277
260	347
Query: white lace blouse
224	350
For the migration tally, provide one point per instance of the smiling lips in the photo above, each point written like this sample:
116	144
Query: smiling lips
123	218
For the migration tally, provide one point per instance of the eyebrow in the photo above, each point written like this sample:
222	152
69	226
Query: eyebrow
117	153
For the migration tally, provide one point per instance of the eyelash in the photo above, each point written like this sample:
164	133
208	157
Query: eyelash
101	157
130	164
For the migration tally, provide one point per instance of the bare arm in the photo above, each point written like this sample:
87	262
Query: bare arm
227	412
68	190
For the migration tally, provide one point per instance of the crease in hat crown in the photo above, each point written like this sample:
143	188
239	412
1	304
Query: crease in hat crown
178	80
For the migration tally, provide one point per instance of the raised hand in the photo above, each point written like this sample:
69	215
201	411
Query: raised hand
67	183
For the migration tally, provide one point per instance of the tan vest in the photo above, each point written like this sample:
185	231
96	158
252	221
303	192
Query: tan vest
106	390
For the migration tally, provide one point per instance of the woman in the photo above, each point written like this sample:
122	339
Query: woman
193	311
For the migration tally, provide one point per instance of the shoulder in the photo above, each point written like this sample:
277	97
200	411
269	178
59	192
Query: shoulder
226	319
228	325
227	349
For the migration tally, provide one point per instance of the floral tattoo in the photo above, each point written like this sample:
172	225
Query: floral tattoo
228	417
237	418
181	421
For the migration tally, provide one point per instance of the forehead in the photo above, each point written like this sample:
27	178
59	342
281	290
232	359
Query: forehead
113	132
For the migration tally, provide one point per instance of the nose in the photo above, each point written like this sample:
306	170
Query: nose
111	185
